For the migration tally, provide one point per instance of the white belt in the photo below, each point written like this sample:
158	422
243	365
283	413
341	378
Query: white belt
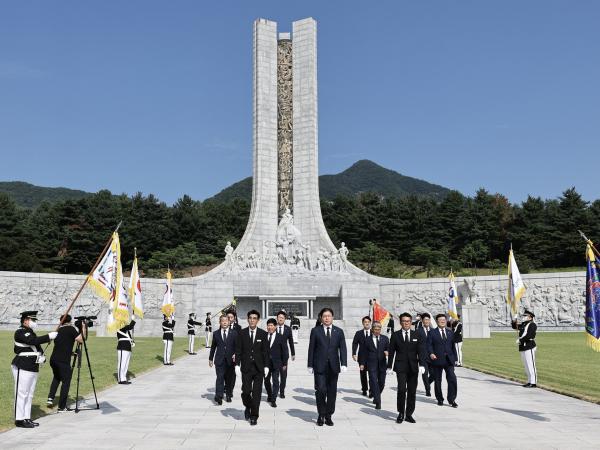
167	331
125	339
36	354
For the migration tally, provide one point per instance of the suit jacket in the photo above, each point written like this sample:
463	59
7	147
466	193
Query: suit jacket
289	339
324	352
406	357
373	357
252	355
358	342
278	351
222	352
236	326
444	350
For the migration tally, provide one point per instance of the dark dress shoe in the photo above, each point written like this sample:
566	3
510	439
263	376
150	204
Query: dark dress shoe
253	421
228	399
23	424
328	421
218	401
527	385
371	395
454	404
273	404
282	395
364	393
377	405
320	421
410	419
247	413
532	386
440	402
35	424
427	394
400	418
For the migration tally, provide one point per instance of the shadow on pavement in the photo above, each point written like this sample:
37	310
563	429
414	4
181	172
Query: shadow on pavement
533	415
308	400
303	415
388	415
233	413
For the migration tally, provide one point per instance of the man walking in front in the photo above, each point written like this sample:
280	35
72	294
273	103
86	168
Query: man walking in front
326	358
442	354
222	357
286	333
374	360
358	347
278	350
406	357
252	354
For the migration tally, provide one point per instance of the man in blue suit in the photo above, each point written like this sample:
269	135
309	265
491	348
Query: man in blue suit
222	351
442	354
326	358
374	360
278	349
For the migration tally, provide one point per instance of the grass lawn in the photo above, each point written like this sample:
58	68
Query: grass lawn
564	363
147	354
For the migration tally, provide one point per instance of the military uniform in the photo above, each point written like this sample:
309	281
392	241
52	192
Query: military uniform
191	327
124	346
527	347
25	367
295	323
168	336
207	331
457	327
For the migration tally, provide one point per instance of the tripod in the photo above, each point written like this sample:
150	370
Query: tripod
77	357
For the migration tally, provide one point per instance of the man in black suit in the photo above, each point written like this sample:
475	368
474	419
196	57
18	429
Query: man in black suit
233	325
286	332
222	356
374	359
406	356
358	343
252	353
442	354
326	358
424	331
278	348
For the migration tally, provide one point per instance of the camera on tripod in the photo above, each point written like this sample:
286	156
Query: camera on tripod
88	321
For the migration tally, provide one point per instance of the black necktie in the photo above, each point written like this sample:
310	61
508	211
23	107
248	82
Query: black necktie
270	336
328	333
406	336
224	336
444	334
252	336
367	333
280	332
376	341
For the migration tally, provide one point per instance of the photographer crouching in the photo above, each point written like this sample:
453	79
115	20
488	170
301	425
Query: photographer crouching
60	361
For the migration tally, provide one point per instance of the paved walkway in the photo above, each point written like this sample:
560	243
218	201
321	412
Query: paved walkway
171	407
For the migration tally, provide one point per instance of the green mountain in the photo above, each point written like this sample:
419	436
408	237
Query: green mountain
29	196
362	176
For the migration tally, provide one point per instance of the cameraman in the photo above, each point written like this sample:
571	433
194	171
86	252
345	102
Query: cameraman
60	361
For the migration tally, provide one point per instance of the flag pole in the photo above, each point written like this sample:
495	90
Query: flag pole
83	285
590	243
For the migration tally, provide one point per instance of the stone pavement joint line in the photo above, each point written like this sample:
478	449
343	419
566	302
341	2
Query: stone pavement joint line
172	407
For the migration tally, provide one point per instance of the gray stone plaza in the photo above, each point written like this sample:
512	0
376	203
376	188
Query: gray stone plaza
172	407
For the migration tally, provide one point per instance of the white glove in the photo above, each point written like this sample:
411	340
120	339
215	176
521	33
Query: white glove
518	341
132	344
421	370
238	371
41	359
344	369
310	370
389	371
266	371
53	335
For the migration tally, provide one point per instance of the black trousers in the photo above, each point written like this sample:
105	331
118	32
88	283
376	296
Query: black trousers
407	392
283	377
326	391
272	385
377	382
229	379
62	374
364	382
223	379
428	377
450	380
252	381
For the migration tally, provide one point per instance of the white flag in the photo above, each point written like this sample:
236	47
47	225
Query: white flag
168	307
516	287
452	298
135	290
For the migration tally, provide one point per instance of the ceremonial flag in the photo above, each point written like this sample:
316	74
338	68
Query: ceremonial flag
103	280
168	307
380	314
135	290
452	297
119	308
516	287
592	300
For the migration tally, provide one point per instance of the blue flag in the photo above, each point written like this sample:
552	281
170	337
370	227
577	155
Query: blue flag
592	301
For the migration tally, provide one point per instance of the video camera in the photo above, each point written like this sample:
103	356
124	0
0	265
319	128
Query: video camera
87	320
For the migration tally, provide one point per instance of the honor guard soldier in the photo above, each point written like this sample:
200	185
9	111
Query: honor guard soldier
191	326
26	365
168	336
457	327
295	324
390	327
124	346
207	331
527	348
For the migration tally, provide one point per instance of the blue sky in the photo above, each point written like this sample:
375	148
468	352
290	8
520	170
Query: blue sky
155	96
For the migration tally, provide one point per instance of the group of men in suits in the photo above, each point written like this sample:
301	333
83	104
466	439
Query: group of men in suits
410	352
258	356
